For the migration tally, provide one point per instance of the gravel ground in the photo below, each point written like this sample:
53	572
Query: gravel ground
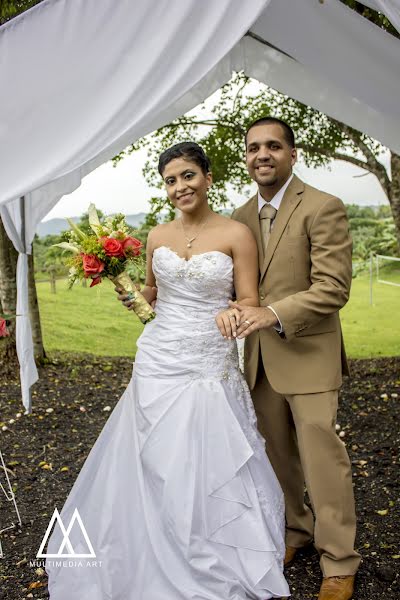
44	452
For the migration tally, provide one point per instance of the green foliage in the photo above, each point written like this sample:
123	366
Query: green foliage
372	230
221	134
47	258
11	8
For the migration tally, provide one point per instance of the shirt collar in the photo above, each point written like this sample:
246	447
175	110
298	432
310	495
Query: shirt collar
277	199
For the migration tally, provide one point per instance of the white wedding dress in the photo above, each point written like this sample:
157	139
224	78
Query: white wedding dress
177	496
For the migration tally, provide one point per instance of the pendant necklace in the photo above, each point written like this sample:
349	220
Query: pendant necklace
191	240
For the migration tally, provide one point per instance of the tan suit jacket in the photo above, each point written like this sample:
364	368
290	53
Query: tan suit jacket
305	277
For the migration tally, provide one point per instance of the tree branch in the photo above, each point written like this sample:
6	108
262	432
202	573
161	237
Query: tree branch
336	156
208	122
376	167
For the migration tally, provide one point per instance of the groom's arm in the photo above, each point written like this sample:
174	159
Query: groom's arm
330	272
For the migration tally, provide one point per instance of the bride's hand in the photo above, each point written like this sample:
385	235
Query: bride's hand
227	322
149	294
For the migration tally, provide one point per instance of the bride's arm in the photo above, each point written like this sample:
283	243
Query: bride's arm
149	290
245	278
245	266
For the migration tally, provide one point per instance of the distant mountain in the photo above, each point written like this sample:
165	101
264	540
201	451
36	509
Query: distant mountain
55	226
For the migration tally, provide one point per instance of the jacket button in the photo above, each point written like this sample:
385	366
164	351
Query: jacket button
262	297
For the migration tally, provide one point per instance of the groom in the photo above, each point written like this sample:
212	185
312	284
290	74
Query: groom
294	353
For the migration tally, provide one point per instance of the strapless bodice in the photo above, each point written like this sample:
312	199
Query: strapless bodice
184	333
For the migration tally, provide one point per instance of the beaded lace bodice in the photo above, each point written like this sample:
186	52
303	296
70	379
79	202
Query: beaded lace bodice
190	295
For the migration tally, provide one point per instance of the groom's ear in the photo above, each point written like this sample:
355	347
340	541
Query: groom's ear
293	154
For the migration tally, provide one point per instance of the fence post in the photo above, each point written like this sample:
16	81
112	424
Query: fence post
371	276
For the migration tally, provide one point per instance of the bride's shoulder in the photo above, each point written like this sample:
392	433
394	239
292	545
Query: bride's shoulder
158	231
234	227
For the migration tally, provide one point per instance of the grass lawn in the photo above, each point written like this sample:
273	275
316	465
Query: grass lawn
92	320
373	330
87	320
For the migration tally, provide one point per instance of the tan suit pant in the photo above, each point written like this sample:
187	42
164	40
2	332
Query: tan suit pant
303	448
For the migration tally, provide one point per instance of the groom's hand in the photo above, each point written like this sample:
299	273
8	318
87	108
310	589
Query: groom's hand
253	318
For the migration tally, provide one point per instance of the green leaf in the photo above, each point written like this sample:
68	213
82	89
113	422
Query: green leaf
78	231
67	246
94	220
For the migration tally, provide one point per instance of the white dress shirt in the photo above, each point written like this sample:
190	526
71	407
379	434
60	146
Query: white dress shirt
277	199
275	202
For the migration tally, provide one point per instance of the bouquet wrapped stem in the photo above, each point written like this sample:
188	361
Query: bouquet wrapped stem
140	305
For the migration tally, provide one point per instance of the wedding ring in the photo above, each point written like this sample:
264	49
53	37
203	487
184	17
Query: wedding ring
130	296
248	322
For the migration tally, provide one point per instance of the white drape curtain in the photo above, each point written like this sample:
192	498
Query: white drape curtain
343	64
81	80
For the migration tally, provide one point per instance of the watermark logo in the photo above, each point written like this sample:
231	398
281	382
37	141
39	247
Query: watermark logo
65	543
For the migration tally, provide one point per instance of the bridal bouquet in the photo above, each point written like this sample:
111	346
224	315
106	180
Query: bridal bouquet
106	253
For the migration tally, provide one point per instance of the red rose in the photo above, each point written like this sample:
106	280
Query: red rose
132	246
95	281
92	265
112	247
3	328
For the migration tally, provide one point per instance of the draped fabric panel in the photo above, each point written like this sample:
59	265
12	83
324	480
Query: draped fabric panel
81	80
341	48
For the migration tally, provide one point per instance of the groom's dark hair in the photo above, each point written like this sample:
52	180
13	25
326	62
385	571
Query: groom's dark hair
287	130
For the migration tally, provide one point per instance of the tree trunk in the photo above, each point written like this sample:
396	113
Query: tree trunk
34	314
8	298
394	195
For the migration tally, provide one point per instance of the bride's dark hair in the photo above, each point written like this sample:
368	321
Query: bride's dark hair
189	151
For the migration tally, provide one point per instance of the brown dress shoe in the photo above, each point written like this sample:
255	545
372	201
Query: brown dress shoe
290	553
337	588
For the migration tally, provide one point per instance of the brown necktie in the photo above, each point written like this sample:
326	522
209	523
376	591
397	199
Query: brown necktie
267	214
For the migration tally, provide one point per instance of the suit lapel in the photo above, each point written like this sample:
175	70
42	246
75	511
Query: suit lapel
290	200
254	224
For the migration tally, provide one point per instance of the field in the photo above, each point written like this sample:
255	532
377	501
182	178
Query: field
93	321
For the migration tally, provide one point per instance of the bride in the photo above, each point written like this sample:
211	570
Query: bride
177	496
